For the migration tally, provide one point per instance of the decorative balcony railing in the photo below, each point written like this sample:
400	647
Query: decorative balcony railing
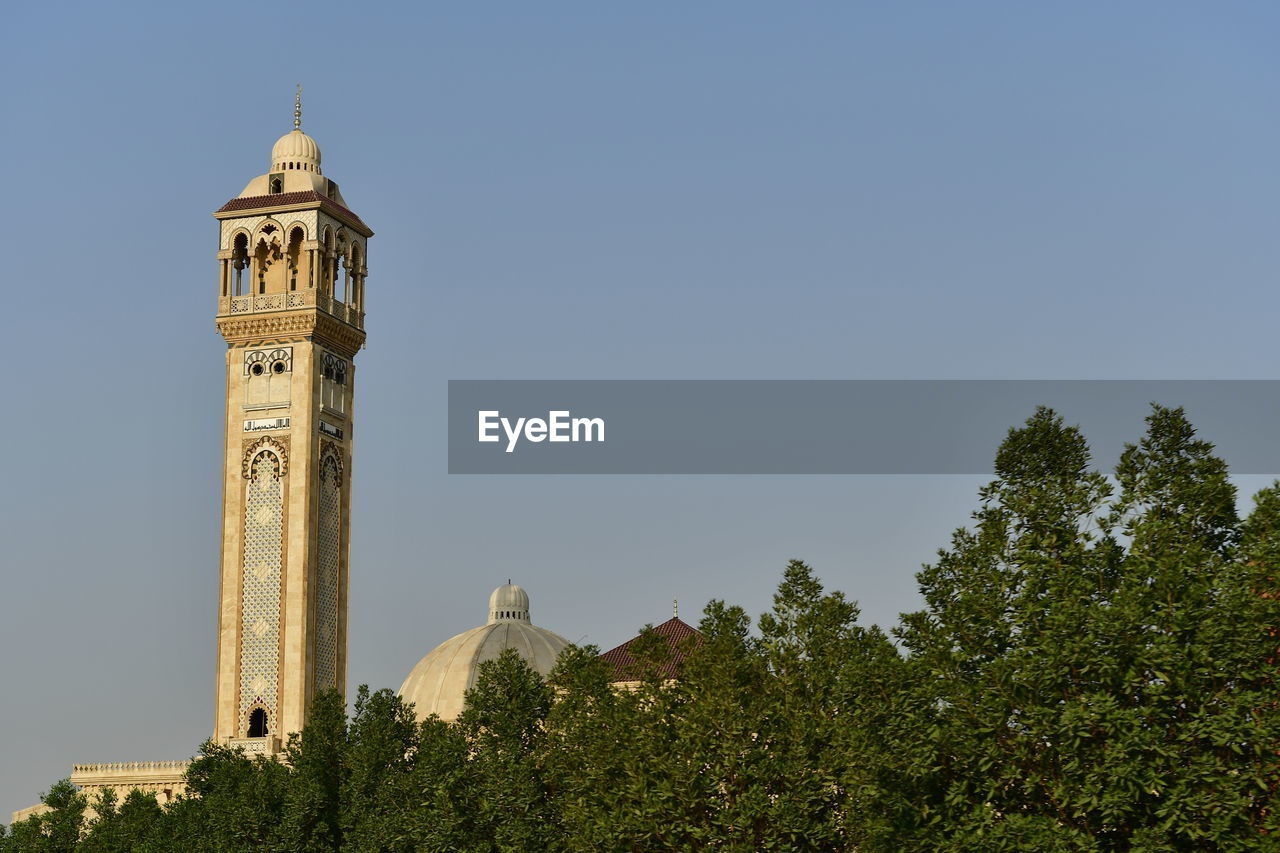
130	769
269	745
257	303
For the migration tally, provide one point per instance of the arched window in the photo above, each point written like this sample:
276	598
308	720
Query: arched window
240	261
356	296
295	256
258	722
343	278
328	262
276	186
262	254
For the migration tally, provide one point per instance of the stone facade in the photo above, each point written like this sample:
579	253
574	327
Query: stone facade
165	779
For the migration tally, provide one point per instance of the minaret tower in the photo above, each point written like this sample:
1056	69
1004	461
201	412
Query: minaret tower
291	307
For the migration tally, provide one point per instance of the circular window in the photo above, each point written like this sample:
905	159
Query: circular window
256	370
278	367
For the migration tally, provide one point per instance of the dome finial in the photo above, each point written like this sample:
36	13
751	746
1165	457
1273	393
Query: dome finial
297	110
675	608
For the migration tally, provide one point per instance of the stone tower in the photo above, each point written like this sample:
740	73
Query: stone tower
292	267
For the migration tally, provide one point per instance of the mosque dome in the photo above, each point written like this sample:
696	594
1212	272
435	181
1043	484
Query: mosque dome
440	680
295	150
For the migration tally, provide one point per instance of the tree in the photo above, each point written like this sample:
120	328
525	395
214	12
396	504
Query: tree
317	759
440	797
382	741
136	825
1093	670
1087	673
826	702
747	748
57	830
586	745
503	726
233	803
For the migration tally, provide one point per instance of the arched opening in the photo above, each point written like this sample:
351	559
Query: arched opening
258	722
276	186
271	274
328	262
262	254
295	256
240	261
342	283
357	278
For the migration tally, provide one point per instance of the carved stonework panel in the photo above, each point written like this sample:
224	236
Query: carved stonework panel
329	331
343	237
260	591
333	368
268	359
332	449
276	447
269	229
305	218
328	567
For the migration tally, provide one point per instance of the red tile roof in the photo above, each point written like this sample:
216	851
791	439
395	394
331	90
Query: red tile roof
283	199
676	633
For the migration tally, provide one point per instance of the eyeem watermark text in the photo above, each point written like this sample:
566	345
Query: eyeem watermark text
557	426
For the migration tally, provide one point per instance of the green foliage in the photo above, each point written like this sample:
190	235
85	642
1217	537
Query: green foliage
745	750
57	830
1070	692
381	742
503	727
234	803
312	818
1092	670
135	825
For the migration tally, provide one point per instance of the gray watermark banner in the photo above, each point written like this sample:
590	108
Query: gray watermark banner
827	426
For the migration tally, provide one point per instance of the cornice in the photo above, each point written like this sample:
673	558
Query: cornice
285	326
318	202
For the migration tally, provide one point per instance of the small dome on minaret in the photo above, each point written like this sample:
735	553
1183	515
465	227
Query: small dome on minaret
295	147
296	150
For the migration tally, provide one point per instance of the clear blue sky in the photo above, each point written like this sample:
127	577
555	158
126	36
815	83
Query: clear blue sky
581	190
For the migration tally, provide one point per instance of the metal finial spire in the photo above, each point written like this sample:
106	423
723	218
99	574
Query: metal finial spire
675	608
297	110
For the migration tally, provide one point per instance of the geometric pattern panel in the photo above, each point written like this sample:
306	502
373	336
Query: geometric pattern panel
305	218
268	358
328	562
260	582
334	368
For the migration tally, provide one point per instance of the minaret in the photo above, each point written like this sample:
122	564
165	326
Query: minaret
291	308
